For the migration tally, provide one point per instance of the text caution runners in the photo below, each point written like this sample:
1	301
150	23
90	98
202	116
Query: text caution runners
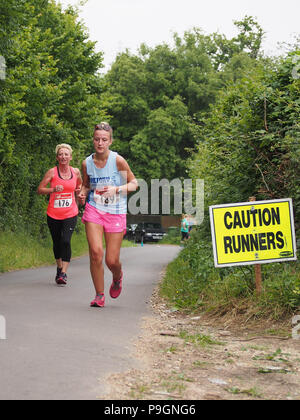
252	233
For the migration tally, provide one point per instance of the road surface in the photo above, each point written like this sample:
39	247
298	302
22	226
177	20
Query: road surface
56	346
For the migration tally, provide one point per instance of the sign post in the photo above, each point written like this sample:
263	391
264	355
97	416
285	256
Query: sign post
257	268
256	232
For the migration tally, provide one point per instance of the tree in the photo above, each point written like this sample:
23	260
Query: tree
249	143
158	150
51	95
141	89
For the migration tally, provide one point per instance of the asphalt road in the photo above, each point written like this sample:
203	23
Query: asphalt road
59	348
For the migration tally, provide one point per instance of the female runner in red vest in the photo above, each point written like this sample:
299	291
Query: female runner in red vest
62	210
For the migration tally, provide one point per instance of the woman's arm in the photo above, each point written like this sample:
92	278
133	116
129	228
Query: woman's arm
43	187
79	180
85	185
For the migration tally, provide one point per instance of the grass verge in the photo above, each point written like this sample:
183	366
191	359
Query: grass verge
19	250
193	284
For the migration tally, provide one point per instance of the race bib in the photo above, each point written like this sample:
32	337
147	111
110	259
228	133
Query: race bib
63	200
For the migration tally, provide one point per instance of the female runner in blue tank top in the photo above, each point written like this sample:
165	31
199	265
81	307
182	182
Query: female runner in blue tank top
107	179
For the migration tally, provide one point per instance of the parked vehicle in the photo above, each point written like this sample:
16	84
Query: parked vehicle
148	231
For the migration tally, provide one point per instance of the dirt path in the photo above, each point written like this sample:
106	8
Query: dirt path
188	358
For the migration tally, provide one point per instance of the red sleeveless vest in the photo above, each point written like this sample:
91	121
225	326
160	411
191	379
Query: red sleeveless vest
62	205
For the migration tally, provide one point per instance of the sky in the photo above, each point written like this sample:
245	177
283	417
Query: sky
120	24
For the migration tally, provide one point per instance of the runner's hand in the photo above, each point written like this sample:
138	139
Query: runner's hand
81	197
110	191
58	188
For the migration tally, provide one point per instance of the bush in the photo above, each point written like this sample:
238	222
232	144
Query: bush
173	236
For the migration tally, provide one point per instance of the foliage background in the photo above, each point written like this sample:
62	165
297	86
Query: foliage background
205	107
50	95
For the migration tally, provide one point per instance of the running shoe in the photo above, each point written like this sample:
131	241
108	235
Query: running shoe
62	279
99	301
116	288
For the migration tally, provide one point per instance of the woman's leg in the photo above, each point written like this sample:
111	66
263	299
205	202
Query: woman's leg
66	236
55	230
94	234
112	257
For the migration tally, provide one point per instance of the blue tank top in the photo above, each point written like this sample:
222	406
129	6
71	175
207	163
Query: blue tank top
100	179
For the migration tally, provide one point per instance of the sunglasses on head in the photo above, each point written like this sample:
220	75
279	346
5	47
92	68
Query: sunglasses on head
103	126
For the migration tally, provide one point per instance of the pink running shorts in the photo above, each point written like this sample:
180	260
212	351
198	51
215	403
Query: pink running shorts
112	223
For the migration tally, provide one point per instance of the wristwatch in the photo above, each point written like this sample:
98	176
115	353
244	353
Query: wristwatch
118	191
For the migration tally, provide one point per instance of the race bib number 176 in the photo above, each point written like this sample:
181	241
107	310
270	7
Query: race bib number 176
63	200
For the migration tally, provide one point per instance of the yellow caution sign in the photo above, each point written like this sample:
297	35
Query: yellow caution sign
253	233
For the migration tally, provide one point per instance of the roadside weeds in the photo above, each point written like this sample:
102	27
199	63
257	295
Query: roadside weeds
186	357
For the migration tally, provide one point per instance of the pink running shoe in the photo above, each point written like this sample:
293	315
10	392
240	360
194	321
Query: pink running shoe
116	288
61	280
99	301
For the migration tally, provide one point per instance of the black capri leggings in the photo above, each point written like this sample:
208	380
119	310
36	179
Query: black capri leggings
61	232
